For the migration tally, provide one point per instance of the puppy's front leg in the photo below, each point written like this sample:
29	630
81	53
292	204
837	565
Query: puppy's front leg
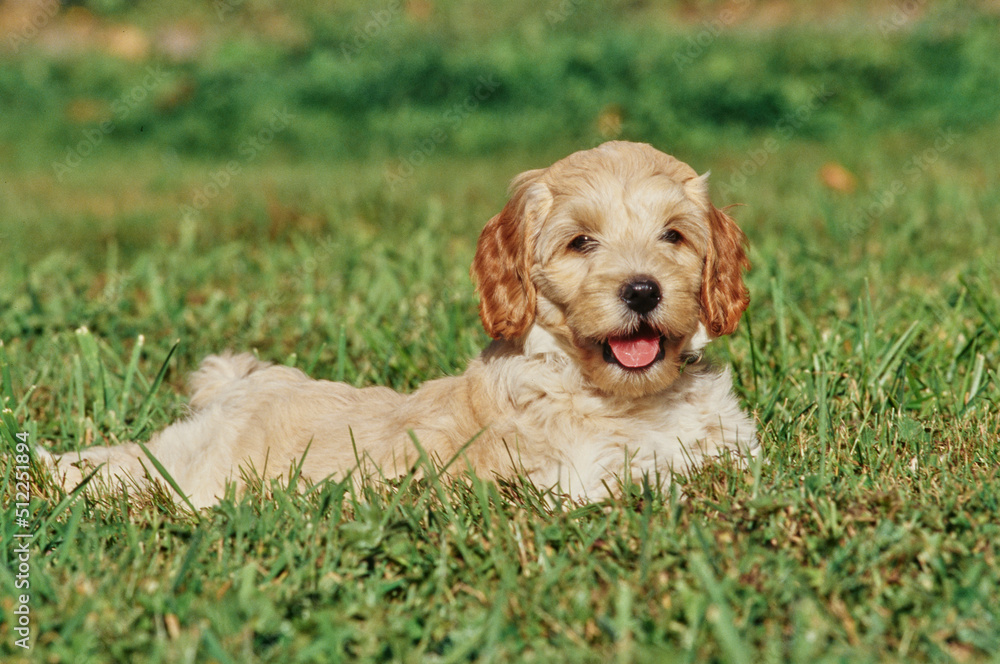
195	452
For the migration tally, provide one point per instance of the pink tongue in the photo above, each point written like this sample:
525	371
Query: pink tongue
637	351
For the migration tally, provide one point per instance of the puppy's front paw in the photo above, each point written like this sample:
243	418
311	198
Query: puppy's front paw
65	470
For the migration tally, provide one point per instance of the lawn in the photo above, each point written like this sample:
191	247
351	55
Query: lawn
308	182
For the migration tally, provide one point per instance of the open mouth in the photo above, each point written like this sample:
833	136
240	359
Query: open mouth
635	352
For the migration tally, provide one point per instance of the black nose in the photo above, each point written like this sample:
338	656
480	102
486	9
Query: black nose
641	294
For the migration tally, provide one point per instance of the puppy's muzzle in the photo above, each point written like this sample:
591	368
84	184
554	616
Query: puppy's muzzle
641	294
642	348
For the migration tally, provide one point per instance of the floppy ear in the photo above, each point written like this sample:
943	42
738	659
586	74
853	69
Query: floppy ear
502	265
724	296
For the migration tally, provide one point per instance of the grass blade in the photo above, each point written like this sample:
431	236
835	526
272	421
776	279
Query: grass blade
147	401
977	385
721	620
64	503
883	372
980	307
194	549
168	478
753	352
7	389
341	355
130	371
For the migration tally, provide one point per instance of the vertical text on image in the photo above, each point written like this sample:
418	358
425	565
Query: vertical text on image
21	557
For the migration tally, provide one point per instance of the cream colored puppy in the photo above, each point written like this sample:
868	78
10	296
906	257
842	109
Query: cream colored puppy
600	281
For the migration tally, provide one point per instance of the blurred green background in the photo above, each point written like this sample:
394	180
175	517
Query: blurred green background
150	100
374	79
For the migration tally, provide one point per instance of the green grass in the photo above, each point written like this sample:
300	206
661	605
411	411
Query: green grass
869	353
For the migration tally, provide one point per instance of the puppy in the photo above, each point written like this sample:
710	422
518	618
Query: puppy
600	281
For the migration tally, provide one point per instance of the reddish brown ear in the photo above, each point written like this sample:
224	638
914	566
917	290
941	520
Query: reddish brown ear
724	296
502	266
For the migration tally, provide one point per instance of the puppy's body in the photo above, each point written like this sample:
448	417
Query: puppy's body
591	377
528	412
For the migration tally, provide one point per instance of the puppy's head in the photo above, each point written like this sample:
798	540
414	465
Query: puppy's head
618	253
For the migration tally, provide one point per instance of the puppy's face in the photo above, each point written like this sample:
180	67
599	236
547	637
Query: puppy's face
618	270
618	253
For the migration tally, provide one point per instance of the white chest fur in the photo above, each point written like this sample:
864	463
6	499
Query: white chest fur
567	433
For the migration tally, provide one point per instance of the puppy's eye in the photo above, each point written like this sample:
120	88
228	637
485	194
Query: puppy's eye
582	244
671	236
